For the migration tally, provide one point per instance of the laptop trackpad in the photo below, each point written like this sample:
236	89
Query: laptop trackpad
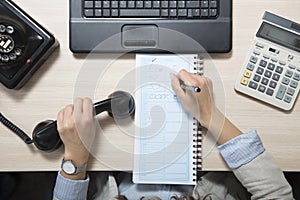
139	36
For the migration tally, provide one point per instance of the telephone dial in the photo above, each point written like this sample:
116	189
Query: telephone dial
45	136
24	45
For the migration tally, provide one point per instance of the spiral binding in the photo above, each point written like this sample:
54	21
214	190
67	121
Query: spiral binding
15	129
197	141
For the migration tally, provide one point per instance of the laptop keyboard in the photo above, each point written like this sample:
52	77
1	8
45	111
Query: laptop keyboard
203	9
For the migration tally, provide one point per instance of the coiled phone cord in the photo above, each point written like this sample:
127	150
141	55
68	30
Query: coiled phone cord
15	129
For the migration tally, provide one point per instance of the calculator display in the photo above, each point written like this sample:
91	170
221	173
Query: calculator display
279	36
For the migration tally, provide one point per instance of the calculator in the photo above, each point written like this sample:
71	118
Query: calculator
271	71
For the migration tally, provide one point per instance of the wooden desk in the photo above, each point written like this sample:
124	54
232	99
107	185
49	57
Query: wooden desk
53	86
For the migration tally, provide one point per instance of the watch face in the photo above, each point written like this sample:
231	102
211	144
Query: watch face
68	167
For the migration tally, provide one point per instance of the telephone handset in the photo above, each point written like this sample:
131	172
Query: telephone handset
45	136
24	45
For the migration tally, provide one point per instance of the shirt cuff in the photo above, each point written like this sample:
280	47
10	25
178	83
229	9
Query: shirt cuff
67	189
241	149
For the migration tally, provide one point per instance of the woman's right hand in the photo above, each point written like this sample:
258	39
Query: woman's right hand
200	105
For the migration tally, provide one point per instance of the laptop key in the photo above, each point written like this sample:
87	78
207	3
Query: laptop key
192	4
131	4
106	4
147	4
88	12
156	4
182	12
106	13
123	4
88	4
204	12
196	12
139	12
139	4
204	4
98	12
98	4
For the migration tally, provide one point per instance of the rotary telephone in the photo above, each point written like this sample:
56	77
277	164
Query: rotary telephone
24	45
45	136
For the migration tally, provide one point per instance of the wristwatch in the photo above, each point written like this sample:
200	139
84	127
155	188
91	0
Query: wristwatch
70	168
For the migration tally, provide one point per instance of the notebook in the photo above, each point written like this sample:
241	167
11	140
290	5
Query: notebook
167	144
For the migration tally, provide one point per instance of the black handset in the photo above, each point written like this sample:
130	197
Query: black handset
45	136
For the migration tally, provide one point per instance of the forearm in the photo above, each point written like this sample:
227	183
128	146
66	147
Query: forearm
221	128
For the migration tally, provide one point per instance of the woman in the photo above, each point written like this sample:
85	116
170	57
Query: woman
253	168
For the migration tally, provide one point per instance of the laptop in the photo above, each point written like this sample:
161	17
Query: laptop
150	26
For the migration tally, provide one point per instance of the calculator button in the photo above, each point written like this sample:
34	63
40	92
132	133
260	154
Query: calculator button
259	45
256	52
256	78
275	77
261	88
268	73
265	81
269	92
271	66
274	59
298	69
253	59
287	99
252	85
293	84
296	76
250	66
285	80
280	92
266	56
290	91
289	73
273	84
290	57
263	63
292	66
260	70
282	62
244	81
247	74
279	69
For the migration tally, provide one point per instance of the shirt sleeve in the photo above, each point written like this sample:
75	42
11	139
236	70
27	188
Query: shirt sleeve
241	149
67	189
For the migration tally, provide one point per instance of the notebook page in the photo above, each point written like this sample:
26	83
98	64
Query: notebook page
164	131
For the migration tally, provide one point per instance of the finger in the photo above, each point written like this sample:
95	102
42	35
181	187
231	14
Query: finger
60	117
78	110
68	115
175	83
87	107
187	77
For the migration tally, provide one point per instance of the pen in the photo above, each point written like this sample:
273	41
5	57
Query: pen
191	88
